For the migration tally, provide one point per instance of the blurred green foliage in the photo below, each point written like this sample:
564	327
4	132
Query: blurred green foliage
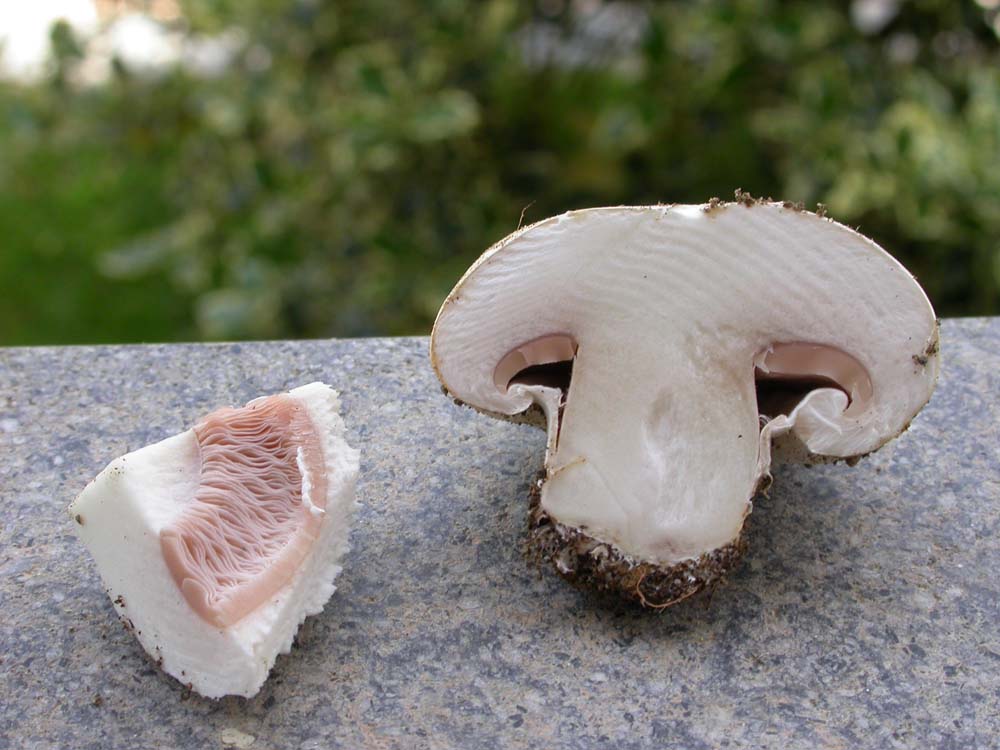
355	156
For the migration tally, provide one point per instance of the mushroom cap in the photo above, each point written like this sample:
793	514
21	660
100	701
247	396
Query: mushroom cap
672	315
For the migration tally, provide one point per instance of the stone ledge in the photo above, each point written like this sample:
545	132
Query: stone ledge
864	614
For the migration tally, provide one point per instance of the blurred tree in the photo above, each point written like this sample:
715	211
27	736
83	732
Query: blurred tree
341	171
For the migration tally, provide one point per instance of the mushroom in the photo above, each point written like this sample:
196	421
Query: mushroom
215	544
666	349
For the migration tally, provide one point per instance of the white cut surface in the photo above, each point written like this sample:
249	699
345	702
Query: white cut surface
121	513
660	447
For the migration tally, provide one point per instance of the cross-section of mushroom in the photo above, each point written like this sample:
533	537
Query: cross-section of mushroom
668	348
215	544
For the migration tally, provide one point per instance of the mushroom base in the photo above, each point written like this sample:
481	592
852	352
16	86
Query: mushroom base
591	564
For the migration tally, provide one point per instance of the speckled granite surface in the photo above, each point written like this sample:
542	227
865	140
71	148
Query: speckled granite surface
867	613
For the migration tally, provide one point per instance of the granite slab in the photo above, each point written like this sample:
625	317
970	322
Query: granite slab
866	613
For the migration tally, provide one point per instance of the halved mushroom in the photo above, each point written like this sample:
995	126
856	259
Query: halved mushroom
668	347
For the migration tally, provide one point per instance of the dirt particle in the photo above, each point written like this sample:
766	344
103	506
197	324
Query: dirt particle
821	210
120	600
79	519
713	204
98	701
233	737
745	198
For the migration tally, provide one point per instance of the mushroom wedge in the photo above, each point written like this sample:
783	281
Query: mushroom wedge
666	348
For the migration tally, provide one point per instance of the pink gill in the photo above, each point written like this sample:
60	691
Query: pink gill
247	530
